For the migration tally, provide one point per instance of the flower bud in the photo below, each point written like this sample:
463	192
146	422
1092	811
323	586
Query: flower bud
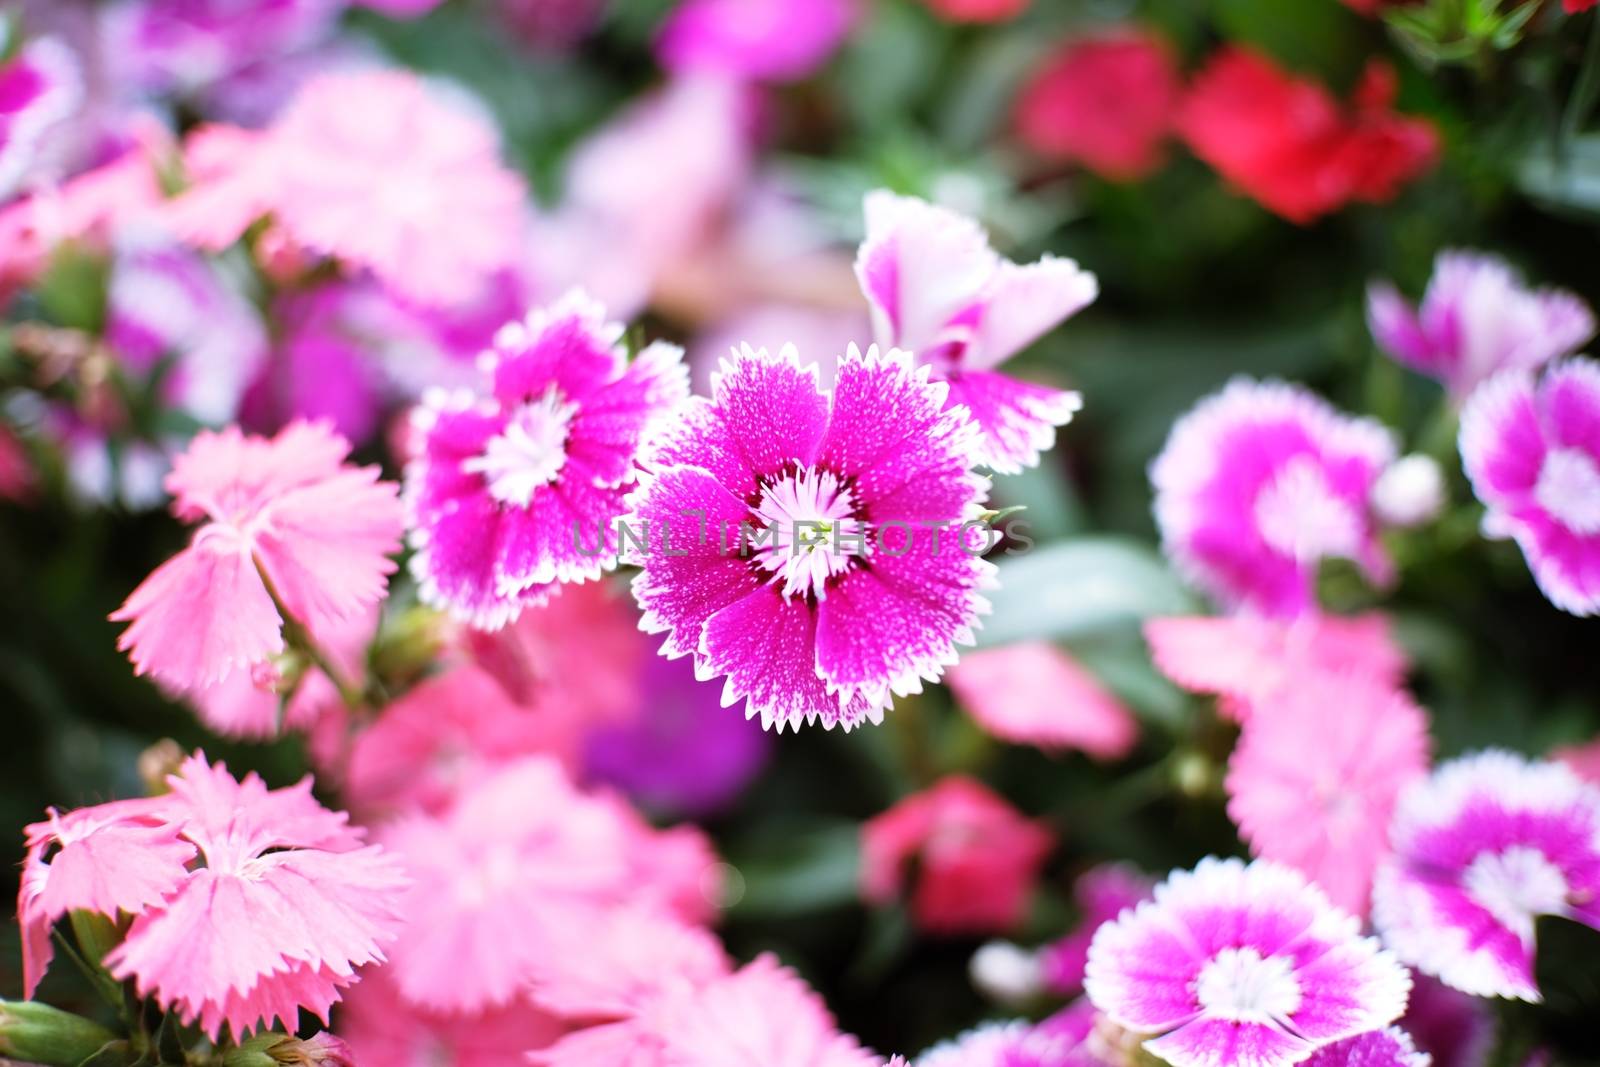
1410	492
281	1050
37	1033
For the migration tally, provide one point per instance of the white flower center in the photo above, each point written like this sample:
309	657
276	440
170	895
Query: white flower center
1517	886
812	535
1569	490
1300	515
528	453
1241	985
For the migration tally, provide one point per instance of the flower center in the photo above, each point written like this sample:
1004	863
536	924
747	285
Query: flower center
1241	985
812	532
1300	515
1517	886
1569	490
528	453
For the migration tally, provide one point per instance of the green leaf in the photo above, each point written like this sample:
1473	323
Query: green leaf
808	870
73	290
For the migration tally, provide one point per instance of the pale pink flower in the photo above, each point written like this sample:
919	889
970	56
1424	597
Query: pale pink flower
1317	775
286	511
1033	693
40	87
386	1031
1583	760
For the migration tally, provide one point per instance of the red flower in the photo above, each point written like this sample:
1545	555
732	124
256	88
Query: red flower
1289	144
977	857
978	10
1574	6
1106	102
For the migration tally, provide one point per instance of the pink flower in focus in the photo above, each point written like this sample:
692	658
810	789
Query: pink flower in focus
1101	893
1260	483
1532	451
1481	849
1235	965
1476	319
1062	1040
803	630
1035	694
976	857
285	510
939	291
40	86
1106	101
1317	775
765	40
521	489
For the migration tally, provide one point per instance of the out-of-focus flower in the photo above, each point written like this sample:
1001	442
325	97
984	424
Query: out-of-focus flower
285	510
1531	448
1584	760
1476	318
1482	849
978	10
1033	693
521	489
1056	1042
382	1028
399	9
1104	101
1242	964
40	86
975	857
420	196
1101	893
17	476
550	24
285	905
1260	483
1390	1047
1248	660
1455	1029
938	290
1005	972
802	630
1410	493
1291	146
1572	7
1317	774
818	335
765	40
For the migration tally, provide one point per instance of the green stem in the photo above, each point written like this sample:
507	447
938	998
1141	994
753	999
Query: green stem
298	637
109	989
1584	91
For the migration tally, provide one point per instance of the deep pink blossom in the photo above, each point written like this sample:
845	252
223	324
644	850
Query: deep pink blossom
1033	693
938	290
1101	893
40	86
1390	1047
766	40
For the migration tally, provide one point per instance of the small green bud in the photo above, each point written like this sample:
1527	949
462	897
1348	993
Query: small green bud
37	1033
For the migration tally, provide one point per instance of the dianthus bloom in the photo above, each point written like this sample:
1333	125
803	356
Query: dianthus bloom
816	548
1259	484
1482	849
1059	1041
1248	965
290	526
39	87
1532	451
1289	144
1033	693
517	490
1316	776
938	290
419	195
976	857
1390	1047
1476	318
776	40
1106	102
248	904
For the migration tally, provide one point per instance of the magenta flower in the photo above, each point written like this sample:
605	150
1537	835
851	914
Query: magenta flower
1482	849
1101	893
183	48
1248	965
1476	319
1532	451
1059	1041
866	579
937	289
290	526
40	86
1033	693
765	40
1391	1047
1317	774
1259	484
518	490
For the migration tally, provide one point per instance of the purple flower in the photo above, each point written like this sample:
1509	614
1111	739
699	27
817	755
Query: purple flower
1261	482
40	87
1477	318
938	289
1532	451
1481	849
521	488
862	584
764	40
1235	964
1381	1048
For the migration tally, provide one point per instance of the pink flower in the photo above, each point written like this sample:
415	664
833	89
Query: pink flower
1477	318
1247	660
183	48
518	490
1035	694
1583	760
1532	451
1059	1041
382	1029
1106	101
766	40
1101	893
938	290
874	471
976	857
1235	964
1317	774
978	10
40	87
1455	1029
1391	1047
1482	849
419	197
1260	483
286	511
